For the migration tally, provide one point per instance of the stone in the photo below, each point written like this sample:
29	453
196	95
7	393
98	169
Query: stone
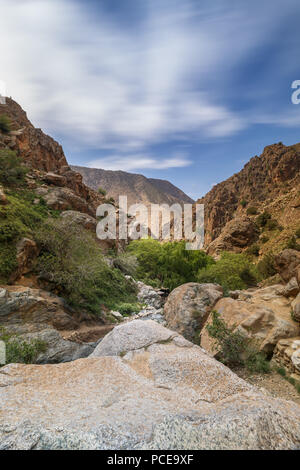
27	252
287	264
81	219
25	310
148	295
189	305
238	233
167	395
296	308
3	198
292	288
287	355
57	349
265	317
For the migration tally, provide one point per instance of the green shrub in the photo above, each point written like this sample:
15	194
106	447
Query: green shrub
19	351
5	124
232	271
266	266
234	348
271	224
72	261
128	308
12	171
293	244
253	250
243	203
281	371
168	264
102	191
127	263
264	239
262	219
252	210
297	233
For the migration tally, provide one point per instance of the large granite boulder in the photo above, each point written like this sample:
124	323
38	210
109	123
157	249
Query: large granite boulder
189	305
158	392
264	315
287	264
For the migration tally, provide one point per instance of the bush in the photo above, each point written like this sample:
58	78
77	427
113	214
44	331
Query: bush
234	348
5	124
264	239
243	203
232	271
19	351
266	266
253	250
12	171
262	219
72	261
271	224
167	264
293	244
297	233
128	308
252	210
102	191
126	263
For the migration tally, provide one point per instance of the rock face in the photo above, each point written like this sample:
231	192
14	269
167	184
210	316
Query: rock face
57	349
287	263
79	218
296	308
264	315
189	305
25	310
287	355
148	295
27	252
268	182
237	234
162	392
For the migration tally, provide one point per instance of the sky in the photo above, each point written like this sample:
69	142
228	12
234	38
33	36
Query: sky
183	90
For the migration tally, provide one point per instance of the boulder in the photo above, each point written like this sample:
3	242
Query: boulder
238	233
63	199
3	199
296	308
265	316
79	218
57	349
25	310
287	264
163	393
27	252
292	288
287	355
189	305
148	295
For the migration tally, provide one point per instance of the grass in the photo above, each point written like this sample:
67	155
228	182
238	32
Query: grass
20	351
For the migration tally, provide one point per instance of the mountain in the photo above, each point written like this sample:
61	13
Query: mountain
268	184
137	188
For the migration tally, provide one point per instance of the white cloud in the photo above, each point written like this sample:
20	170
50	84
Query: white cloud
138	162
101	85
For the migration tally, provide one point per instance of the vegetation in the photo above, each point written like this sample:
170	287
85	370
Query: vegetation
72	262
234	348
20	351
243	203
232	271
281	371
168	264
12	171
293	244
102	191
262	219
128	308
5	124
253	250
266	266
252	210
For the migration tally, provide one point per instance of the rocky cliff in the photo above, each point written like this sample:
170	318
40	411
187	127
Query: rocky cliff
269	182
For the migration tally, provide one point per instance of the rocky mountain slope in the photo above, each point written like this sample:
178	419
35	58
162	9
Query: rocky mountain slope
269	182
137	188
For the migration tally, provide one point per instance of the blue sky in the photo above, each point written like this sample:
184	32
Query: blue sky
184	90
